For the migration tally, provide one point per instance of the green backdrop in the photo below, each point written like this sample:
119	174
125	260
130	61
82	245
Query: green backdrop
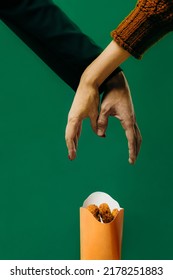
41	190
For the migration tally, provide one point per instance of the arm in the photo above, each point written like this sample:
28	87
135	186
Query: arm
45	28
146	24
116	102
104	64
143	27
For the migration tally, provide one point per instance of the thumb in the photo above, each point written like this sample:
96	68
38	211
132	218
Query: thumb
93	120
102	124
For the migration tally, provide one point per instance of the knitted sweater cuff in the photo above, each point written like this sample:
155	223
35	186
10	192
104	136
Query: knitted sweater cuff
143	27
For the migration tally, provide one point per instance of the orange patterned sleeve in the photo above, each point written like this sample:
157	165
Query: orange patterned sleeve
145	25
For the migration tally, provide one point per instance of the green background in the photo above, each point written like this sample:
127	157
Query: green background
41	190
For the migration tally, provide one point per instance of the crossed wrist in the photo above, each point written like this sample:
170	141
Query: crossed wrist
89	79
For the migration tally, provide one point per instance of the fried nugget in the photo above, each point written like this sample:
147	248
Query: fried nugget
105	213
114	212
94	210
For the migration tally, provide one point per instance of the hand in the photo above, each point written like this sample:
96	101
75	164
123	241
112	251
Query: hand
85	105
117	102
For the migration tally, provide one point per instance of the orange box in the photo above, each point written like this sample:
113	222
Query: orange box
100	241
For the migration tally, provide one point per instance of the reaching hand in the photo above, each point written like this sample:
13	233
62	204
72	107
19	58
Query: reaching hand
117	102
85	105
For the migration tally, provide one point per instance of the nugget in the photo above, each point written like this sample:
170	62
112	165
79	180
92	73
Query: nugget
114	212
105	213
94	210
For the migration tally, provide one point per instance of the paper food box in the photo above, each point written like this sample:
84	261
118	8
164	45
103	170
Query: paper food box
99	240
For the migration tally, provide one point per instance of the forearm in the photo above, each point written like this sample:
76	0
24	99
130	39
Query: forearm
112	56
45	28
52	35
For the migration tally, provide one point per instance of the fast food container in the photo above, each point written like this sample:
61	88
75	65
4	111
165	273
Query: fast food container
100	241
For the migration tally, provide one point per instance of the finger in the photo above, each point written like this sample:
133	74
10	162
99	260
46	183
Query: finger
132	141
130	134
71	135
79	130
76	140
102	124
138	138
93	120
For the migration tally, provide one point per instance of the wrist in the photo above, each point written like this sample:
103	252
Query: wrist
89	79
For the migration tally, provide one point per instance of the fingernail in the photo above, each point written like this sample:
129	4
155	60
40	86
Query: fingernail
131	161
99	132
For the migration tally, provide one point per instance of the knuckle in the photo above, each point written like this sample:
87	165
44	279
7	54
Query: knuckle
127	124
72	119
101	123
67	139
105	109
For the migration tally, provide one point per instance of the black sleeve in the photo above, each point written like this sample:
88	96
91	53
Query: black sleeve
45	28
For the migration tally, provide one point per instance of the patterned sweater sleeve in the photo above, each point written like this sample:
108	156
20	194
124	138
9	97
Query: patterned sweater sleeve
145	25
